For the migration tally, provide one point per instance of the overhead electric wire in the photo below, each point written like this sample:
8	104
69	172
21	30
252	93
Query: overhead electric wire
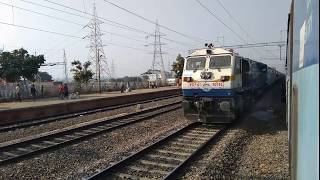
41	30
114	44
263	44
118	24
234	20
225	9
39	13
55	9
65	20
129	47
153	22
273	43
177	42
217	18
99	17
110	22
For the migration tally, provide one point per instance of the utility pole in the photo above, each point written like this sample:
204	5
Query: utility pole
280	45
157	53
113	70
96	52
65	66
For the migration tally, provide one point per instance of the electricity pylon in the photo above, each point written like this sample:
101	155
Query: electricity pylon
96	53
157	53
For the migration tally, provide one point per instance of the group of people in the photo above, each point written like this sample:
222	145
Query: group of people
63	91
33	92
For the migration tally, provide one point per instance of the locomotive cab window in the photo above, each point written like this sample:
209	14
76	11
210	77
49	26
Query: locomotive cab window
196	63
220	62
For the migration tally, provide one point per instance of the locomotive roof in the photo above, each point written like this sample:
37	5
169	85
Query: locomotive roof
204	52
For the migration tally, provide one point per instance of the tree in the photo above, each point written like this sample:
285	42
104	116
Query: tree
177	66
82	73
19	64
45	76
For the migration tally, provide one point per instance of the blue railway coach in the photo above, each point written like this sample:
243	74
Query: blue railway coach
303	89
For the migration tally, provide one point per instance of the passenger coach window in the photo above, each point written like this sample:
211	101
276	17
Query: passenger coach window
196	63
220	62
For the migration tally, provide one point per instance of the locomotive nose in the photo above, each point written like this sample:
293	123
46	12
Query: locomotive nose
206	75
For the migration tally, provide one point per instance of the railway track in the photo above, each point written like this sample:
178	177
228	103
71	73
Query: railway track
165	158
29	123
16	150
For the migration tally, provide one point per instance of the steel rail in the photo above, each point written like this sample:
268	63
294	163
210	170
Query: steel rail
28	123
19	149
115	170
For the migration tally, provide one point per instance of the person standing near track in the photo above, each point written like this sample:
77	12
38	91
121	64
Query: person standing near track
122	88
66	90
61	94
33	92
18	92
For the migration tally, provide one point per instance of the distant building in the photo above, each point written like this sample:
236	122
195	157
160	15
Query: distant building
154	76
152	73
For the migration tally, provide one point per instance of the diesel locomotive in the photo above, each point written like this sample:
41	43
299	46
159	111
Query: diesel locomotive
218	84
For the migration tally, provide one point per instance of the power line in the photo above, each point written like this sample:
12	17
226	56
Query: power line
36	29
41	30
216	17
128	47
234	20
274	43
55	9
107	21
153	22
262	44
177	42
65	20
99	17
35	12
54	48
138	30
118	24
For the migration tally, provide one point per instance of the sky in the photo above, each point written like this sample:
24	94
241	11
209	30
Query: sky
130	51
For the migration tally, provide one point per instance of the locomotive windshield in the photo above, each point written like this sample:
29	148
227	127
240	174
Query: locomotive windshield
220	62
196	63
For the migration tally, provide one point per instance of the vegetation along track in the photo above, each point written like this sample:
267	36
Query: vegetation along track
34	122
22	148
165	158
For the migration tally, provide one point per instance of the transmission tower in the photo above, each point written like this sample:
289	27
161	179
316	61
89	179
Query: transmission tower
157	53
96	52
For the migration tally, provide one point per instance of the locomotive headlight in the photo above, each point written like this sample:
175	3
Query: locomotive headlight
225	106
225	78
187	79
